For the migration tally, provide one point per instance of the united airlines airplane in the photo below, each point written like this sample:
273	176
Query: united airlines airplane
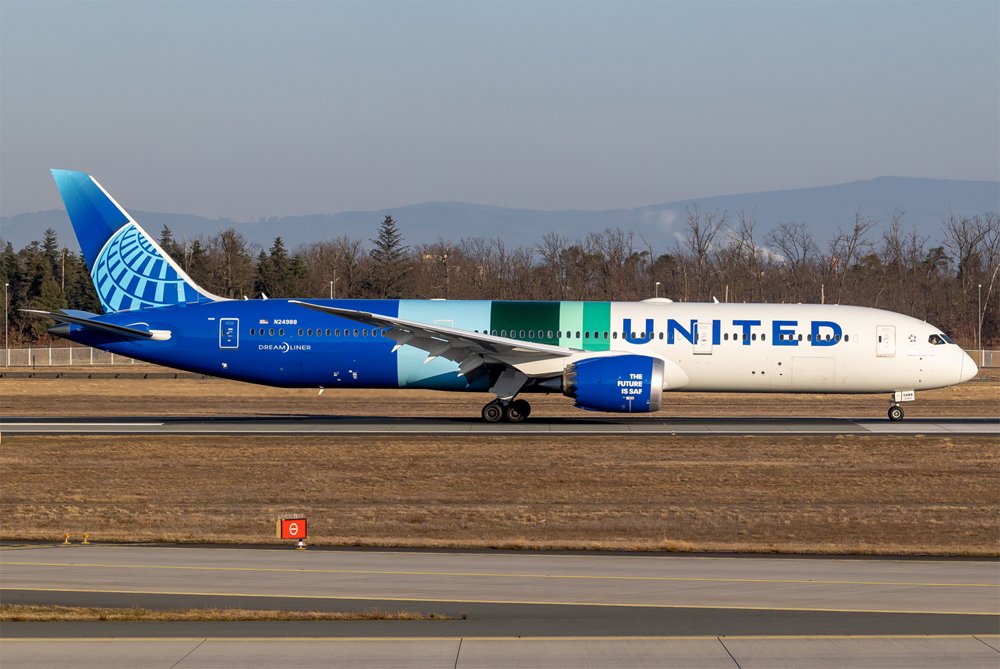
607	356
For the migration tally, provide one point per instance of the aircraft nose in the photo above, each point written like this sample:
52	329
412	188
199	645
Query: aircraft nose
969	368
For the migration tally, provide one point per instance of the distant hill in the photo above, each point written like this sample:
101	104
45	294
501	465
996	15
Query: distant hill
925	203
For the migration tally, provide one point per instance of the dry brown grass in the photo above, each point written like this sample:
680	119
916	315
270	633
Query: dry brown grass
40	613
850	494
199	397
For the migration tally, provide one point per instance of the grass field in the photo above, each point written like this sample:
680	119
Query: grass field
851	494
40	613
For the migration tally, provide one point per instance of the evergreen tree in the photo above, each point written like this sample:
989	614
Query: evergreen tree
274	271
390	262
50	250
197	263
169	245
260	281
79	291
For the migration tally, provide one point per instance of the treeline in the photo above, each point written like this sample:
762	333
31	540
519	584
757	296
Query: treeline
713	256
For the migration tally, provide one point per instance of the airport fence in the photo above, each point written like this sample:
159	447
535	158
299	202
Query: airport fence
48	356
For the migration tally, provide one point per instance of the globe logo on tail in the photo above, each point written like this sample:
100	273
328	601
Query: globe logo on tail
131	273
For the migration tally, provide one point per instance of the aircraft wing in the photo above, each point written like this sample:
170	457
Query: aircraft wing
469	349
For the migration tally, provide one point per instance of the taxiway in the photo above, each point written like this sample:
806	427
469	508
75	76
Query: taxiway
540	609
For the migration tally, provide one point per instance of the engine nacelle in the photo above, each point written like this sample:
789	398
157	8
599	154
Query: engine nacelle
620	383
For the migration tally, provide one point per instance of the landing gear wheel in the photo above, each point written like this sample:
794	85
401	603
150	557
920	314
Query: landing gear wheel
522	407
514	412
895	412
493	412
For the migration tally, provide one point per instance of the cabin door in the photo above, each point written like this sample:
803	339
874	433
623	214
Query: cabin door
703	338
885	341
229	333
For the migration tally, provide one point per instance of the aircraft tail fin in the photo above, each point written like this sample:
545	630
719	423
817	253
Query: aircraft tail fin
128	268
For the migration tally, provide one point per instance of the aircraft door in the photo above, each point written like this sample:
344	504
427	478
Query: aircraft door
703	342
885	341
229	333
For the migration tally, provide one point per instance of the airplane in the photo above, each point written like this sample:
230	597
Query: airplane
607	356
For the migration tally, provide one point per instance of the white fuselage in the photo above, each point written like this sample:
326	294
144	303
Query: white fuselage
785	348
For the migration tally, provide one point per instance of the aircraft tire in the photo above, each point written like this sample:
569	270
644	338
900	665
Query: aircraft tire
493	412
522	408
514	412
895	412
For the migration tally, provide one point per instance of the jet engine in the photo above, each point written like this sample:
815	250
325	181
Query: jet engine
620	383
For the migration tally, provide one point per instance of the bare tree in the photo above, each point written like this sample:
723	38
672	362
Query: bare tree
702	229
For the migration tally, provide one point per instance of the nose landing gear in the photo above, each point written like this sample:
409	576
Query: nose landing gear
511	411
896	411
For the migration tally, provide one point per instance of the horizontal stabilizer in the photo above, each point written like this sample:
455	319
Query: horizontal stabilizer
81	319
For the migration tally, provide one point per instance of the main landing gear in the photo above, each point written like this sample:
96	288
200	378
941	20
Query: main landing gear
512	411
505	407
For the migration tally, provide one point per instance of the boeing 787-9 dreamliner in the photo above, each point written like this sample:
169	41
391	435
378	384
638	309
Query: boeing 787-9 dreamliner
607	356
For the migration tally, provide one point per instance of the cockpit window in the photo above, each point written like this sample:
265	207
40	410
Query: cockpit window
937	339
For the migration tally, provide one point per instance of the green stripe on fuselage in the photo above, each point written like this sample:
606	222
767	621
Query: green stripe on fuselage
596	319
531	321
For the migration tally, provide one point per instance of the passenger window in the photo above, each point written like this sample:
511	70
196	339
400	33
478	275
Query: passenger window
754	337
614	335
309	332
661	335
355	332
586	335
847	337
726	336
549	334
251	332
270	332
328	332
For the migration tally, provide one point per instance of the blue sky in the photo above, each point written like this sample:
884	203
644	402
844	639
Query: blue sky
259	109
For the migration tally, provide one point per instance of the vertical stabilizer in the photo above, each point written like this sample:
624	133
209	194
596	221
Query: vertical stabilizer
128	268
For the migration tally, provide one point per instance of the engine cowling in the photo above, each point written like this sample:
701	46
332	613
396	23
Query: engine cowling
620	383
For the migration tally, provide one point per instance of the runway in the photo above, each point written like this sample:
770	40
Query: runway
320	425
507	607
